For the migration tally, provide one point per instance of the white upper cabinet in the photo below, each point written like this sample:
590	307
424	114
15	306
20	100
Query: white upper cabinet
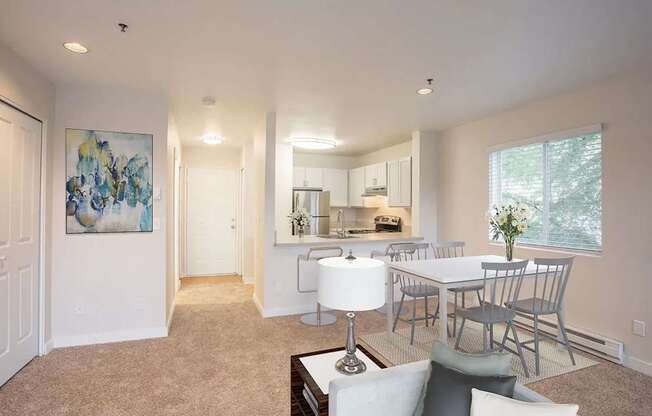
375	175
399	187
337	182
356	187
307	177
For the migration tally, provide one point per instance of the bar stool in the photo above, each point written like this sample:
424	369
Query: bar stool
314	254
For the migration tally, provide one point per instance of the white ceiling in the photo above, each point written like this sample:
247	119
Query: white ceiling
341	69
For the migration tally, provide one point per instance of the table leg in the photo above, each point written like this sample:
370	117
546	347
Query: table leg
389	300
443	314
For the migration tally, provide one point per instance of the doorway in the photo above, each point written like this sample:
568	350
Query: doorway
212	199
20	237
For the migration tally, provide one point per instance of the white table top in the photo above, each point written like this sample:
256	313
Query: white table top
453	270
322	367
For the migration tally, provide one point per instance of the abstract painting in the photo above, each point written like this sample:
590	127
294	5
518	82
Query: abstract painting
108	182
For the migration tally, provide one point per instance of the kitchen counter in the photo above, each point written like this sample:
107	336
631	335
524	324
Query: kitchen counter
313	240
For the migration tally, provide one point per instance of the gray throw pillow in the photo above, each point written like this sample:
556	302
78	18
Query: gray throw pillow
477	364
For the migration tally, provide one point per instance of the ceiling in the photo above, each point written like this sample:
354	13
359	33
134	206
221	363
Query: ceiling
346	70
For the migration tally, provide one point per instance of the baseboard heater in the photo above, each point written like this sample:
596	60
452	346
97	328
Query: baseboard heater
583	340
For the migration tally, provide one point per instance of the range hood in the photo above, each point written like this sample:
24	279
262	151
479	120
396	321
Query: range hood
375	191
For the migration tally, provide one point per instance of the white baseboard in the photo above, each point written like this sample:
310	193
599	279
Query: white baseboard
249	280
260	308
49	346
106	337
638	365
171	314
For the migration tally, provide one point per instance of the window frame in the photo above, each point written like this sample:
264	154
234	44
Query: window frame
544	139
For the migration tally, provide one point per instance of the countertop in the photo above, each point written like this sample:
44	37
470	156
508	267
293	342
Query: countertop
313	240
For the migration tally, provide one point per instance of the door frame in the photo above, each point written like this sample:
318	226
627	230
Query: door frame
43	347
238	216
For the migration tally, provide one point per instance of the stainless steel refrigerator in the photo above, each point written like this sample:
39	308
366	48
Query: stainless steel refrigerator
318	205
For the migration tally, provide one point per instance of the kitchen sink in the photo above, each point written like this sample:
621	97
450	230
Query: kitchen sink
336	236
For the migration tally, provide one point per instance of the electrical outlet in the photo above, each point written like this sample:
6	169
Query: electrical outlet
638	328
79	310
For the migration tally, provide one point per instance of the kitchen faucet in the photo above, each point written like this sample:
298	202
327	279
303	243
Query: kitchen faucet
340	223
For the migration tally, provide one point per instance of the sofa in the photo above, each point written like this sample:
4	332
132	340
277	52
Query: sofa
393	391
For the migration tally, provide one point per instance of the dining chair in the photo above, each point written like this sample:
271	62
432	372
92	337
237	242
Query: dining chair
501	286
452	249
411	287
547	298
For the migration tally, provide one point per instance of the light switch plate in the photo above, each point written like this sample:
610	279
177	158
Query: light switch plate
156	224
638	328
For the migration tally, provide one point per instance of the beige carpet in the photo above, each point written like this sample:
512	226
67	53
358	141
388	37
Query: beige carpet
221	358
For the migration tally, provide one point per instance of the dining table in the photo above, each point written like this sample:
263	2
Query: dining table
445	274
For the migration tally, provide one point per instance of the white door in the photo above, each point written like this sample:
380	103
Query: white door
20	175
211	205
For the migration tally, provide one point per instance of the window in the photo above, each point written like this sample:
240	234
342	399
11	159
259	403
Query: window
560	179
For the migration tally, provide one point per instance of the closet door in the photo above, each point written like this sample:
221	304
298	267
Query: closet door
20	175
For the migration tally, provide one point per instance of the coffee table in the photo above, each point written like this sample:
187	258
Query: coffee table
310	374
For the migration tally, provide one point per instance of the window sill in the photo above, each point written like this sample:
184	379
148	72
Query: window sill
550	249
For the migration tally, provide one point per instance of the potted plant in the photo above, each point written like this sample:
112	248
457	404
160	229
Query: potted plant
300	219
508	221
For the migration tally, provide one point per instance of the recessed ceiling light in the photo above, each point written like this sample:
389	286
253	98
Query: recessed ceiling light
313	143
212	139
75	47
426	90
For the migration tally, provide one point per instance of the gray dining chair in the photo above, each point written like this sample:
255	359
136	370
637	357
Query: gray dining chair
452	249
501	286
547	298
411	287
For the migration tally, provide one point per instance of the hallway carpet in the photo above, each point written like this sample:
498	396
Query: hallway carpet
222	358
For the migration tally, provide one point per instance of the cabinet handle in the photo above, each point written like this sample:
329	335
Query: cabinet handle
305	183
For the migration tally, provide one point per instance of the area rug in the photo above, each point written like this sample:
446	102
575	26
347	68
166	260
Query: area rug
396	349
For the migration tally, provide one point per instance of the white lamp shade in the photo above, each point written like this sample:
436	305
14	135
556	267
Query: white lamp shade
351	285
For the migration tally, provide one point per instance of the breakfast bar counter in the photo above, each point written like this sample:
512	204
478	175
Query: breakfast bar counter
316	241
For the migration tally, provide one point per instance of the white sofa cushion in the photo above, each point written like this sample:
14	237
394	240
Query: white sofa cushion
489	404
392	391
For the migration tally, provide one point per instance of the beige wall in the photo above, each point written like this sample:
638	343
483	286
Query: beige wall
211	157
605	292
108	287
27	89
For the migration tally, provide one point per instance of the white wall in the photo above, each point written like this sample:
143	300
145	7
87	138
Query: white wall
249	213
108	287
26	88
605	292
174	153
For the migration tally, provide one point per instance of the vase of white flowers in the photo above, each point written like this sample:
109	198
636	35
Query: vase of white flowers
300	220
508	221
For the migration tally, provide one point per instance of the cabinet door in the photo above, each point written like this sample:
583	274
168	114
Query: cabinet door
399	187
393	183
314	178
337	182
381	174
356	186
299	177
370	176
405	167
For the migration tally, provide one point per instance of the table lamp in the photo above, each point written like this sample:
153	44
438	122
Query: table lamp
351	284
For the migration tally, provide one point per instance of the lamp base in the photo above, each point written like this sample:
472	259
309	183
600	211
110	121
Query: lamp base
350	364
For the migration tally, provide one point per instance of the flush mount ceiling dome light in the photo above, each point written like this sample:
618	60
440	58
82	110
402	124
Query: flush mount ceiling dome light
313	143
75	47
212	139
426	90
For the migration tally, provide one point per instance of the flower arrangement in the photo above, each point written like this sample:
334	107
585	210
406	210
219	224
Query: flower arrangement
300	219
508	221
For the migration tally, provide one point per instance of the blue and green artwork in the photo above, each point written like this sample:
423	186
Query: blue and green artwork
108	182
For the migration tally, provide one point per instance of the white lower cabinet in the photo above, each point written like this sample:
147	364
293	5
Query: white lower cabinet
399	183
337	182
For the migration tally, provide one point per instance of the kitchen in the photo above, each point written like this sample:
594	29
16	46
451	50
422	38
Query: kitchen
363	197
